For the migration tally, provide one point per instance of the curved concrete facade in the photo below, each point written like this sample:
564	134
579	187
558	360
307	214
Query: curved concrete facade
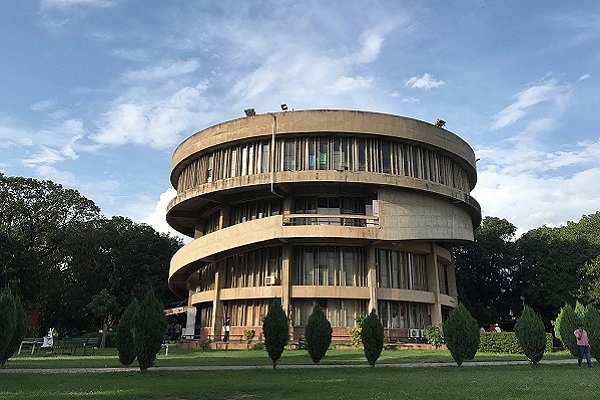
351	210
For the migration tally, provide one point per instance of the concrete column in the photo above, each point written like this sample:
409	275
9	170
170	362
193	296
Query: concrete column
372	278
452	290
224	218
286	279
433	281
199	228
217	316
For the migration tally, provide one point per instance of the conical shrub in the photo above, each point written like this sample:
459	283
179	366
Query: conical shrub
318	334
276	331
564	326
591	321
461	334
372	337
148	328
124	335
531	335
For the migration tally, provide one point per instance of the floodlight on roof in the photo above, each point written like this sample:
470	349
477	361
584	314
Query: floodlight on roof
250	112
440	123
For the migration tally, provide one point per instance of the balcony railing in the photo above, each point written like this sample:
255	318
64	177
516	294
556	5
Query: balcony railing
361	221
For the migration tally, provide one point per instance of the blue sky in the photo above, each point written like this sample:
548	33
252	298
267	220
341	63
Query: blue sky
96	94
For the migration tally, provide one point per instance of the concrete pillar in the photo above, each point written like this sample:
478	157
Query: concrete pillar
286	283
199	228
217	316
433	282
372	278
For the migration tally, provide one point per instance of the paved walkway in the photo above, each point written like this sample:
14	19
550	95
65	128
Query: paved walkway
281	366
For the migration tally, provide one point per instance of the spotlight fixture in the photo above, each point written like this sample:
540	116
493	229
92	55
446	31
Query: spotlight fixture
440	123
250	112
284	107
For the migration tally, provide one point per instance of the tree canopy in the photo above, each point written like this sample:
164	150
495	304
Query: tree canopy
58	251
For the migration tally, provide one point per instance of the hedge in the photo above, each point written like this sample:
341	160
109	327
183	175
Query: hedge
505	342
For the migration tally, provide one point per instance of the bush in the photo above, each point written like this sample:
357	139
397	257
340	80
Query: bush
258	346
591	321
204	344
124	336
318	334
506	342
148	325
461	334
564	326
276	331
531	335
372	337
248	336
354	332
434	335
13	324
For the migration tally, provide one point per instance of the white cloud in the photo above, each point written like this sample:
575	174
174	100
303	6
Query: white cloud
157	122
346	83
157	219
165	70
524	184
584	77
47	172
76	3
424	81
43	105
547	91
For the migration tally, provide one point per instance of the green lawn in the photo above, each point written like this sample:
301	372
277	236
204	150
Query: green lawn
549	381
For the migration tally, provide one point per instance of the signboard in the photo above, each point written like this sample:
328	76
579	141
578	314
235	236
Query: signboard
176	310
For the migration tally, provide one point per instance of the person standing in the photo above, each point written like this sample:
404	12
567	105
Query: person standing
227	327
583	345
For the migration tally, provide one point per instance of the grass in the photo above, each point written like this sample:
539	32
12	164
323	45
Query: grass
548	381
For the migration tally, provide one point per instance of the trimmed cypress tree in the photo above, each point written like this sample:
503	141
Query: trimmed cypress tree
372	337
318	334
148	327
124	335
13	324
461	334
591	321
531	335
276	331
564	326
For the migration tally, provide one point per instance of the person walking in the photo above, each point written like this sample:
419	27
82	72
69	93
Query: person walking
583	345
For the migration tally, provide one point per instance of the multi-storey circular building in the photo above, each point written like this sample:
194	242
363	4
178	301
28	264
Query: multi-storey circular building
348	209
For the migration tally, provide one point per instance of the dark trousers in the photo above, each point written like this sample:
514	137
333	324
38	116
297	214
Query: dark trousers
584	351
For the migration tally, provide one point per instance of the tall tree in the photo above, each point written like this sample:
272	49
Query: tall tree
19	266
484	271
102	305
549	272
42	212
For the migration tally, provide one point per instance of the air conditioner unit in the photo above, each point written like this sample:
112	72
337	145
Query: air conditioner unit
422	333
270	280
414	333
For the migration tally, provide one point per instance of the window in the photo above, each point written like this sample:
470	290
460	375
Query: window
329	266
401	270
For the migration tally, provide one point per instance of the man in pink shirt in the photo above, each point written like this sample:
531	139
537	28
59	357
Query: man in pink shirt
583	345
